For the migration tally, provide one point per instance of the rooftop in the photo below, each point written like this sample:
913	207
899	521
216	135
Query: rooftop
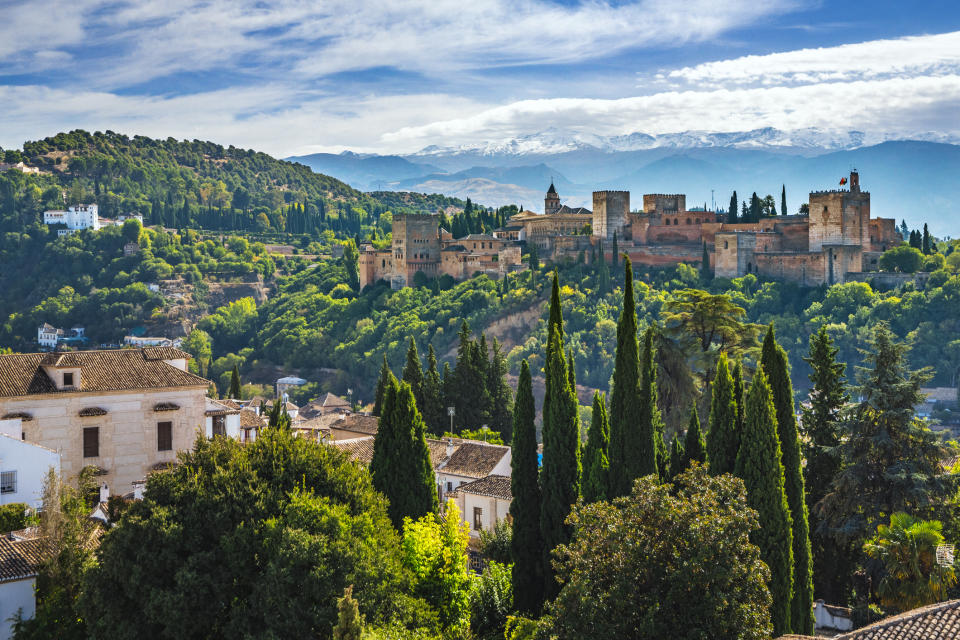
19	558
475	459
494	486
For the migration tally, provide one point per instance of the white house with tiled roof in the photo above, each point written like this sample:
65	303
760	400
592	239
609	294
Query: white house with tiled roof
484	502
124	412
23	465
20	559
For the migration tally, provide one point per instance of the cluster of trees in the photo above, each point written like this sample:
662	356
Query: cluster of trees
756	208
476	219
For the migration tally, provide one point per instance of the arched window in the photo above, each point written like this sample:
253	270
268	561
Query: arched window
688	221
726	244
749	267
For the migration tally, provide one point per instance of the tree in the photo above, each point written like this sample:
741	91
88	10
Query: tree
903	258
307	524
382	382
740	396
596	466
435	549
783	200
434	411
616	250
627	448
349	621
695	449
413	374
650	425
723	439
234	391
470	395
401	467
714	320
198	344
676	457
560	478
907	547
131	230
891	460
758	464
777	368
644	566
734	208
279	418
822	430
351	262
491	601
706	274
526	543
501	397
926	244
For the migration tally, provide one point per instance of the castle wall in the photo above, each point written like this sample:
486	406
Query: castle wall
805	269
610	209
884	234
664	202
416	246
839	218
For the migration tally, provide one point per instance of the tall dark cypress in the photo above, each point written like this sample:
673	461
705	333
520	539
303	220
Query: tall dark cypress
401	467
501	397
733	212
413	374
560	480
526	543
434	413
926	243
554	326
385	375
783	200
596	466
722	436
777	368
650	448
739	395
695	449
758	464
706	273
625	396
234	383
616	250
676	456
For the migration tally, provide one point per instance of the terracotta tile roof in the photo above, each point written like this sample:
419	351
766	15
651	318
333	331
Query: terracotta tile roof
356	423
114	370
493	486
214	408
330	400
230	403
926	623
25	417
250	420
474	459
359	449
165	353
438	452
19	558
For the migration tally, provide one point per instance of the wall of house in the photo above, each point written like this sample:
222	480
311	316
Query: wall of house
31	462
128	431
493	510
231	422
15	596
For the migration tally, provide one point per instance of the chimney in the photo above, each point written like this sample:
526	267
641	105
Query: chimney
450	447
138	490
104	492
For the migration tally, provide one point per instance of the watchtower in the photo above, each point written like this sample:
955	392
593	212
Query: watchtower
610	209
551	203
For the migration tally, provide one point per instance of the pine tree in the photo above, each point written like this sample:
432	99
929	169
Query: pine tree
470	395
733	210
596	466
723	439
625	398
349	621
822	432
695	449
501	397
758	464
526	543
783	200
706	273
676	456
434	413
777	368
560	480
650	422
413	374
401	467
385	375
234	392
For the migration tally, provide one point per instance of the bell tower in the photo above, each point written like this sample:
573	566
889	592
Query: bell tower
551	203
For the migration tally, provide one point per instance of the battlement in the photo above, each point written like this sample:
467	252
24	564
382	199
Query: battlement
837	191
664	195
609	193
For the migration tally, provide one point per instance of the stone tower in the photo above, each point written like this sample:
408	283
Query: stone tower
610	209
551	203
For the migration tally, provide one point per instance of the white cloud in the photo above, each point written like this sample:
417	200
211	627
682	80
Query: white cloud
903	57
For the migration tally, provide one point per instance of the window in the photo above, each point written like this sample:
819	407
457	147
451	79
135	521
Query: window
68	379
164	436
219	426
449	486
91	442
477	518
8	482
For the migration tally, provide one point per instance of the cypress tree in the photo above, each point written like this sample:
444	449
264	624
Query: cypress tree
758	464
777	367
625	397
652	459
695	449
501	397
926	244
560	480
706	274
385	375
783	200
434	413
554	326
526	543
734	209
596	467
401	467
676	456
234	383
413	374
740	398
616	250
822	430
722	437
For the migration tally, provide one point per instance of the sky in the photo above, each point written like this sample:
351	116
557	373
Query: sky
387	76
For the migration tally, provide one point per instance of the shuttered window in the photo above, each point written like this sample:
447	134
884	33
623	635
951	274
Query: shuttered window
91	442
8	482
164	436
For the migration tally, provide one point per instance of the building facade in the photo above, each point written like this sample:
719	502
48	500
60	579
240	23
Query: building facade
124	412
23	465
81	216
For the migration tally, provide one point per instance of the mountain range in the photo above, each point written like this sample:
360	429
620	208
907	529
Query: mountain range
916	180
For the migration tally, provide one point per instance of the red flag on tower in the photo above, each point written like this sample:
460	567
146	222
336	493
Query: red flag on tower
843	181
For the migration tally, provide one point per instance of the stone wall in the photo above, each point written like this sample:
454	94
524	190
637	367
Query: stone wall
664	202
610	209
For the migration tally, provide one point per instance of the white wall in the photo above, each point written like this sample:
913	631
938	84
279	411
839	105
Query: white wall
15	596
31	462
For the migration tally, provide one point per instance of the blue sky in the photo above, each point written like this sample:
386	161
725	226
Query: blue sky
292	76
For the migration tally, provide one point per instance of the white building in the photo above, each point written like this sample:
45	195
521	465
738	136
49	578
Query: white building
23	465
81	216
20	559
484	502
469	460
222	419
48	335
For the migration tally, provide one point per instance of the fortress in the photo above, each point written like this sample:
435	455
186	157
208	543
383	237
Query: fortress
837	241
